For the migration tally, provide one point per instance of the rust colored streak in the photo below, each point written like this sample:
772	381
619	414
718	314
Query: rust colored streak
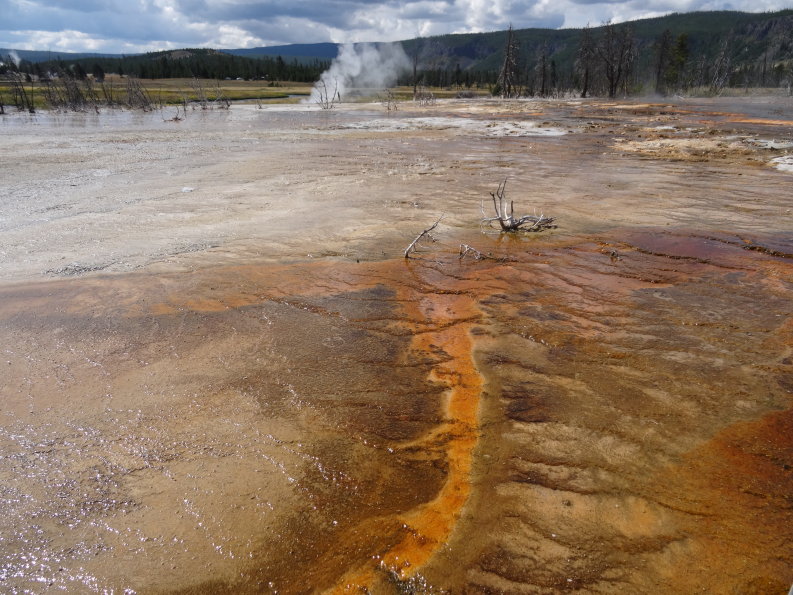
768	122
440	323
430	525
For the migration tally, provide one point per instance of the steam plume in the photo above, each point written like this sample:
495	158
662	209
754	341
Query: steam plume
15	57
361	66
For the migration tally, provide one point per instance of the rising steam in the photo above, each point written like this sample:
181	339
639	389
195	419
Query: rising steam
360	66
14	57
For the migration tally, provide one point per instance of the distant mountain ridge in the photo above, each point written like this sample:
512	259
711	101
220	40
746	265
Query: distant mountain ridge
751	49
322	51
47	55
483	49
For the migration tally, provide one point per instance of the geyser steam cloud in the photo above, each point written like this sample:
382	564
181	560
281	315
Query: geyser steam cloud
14	57
360	65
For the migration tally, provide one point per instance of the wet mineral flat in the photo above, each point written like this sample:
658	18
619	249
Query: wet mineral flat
220	374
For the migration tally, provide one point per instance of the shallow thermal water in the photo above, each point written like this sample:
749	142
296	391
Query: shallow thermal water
221	375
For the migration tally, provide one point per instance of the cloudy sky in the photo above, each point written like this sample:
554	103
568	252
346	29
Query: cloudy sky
128	26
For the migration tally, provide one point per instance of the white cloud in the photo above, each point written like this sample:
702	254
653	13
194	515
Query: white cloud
596	12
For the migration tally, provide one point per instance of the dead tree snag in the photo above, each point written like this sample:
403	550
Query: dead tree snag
389	100
327	99
505	214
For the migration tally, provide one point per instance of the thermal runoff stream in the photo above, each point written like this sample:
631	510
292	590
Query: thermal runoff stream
221	375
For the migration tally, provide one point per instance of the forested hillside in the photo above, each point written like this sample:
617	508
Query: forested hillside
674	53
706	51
200	63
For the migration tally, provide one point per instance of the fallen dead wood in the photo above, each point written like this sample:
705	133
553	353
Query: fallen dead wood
412	247
466	250
505	214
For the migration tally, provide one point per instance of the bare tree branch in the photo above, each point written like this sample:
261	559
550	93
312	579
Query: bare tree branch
414	244
327	100
389	100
